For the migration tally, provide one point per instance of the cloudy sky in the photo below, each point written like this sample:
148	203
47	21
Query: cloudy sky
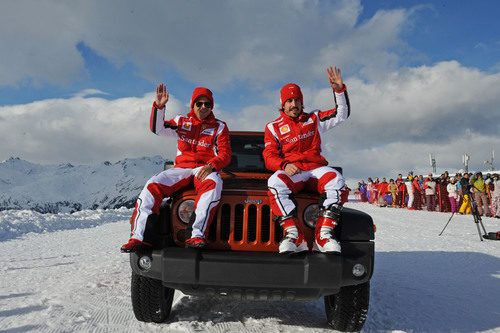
77	77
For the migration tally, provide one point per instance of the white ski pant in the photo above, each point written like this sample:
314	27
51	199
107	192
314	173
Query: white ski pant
166	183
411	197
324	180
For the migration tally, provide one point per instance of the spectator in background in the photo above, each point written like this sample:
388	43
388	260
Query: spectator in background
495	196
382	200
430	192
465	208
458	178
401	191
421	180
480	195
369	190
393	190
464	185
417	192
488	180
442	193
362	191
453	195
409	188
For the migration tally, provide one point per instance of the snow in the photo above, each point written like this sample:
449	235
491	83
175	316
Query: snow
65	273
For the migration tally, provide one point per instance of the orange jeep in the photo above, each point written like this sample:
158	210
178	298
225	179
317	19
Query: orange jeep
241	259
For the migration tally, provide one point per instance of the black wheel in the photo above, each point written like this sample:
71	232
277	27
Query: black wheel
151	300
347	310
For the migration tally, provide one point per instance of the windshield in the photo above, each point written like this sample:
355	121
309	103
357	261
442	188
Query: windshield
247	154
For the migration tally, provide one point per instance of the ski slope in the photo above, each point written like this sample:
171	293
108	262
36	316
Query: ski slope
65	273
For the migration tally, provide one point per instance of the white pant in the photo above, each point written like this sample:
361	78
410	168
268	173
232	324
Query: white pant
325	180
411	197
166	183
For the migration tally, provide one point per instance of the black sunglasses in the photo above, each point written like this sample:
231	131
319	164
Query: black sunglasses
200	104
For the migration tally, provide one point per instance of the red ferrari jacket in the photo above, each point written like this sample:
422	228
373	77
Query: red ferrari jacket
298	140
199	142
383	188
416	185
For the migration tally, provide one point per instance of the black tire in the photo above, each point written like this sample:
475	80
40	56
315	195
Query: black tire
151	300
347	310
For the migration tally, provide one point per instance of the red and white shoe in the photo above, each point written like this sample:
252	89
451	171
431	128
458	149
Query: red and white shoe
196	242
293	239
323	239
134	245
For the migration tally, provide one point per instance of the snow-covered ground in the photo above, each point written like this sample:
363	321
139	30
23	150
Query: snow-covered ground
64	273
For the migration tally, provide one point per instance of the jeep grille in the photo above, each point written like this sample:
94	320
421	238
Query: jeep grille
244	227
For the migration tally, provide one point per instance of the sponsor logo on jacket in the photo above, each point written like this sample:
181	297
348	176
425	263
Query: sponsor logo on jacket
300	137
186	126
284	129
208	131
195	142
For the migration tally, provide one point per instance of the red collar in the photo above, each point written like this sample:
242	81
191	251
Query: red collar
303	117
209	119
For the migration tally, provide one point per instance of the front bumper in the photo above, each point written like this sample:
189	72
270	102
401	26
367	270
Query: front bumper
258	275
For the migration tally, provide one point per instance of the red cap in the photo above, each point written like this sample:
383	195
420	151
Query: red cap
200	91
290	90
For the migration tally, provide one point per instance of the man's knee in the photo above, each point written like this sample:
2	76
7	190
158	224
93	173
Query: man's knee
275	180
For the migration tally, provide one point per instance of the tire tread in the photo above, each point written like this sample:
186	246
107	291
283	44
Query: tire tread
151	301
347	310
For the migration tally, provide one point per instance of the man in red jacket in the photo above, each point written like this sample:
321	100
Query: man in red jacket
203	149
293	150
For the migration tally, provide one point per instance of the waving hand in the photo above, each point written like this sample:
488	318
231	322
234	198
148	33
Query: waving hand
161	96
335	78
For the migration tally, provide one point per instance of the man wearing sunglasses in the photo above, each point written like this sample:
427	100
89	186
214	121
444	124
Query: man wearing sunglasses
293	150
203	150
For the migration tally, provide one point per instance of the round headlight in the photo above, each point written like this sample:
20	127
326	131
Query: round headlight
311	215
186	208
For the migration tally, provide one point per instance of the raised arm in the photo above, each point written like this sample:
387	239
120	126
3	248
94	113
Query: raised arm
333	117
157	122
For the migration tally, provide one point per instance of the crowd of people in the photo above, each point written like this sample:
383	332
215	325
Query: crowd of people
444	193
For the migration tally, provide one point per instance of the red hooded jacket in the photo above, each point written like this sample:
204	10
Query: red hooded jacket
199	142
298	140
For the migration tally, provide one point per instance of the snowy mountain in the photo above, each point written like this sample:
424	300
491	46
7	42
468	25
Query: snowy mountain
68	188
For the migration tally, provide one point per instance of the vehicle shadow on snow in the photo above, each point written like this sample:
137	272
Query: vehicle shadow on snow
216	311
434	291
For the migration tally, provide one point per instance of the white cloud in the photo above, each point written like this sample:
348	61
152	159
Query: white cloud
446	109
214	42
89	92
83	130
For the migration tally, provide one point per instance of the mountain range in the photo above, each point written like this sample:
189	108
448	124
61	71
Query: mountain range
69	188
